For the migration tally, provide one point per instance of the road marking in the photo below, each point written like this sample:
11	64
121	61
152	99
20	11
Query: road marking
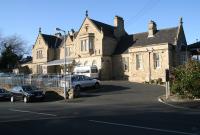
141	127
23	120
24	111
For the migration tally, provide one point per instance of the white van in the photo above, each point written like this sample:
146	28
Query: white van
90	71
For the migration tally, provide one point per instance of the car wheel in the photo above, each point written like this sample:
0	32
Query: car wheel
12	99
97	85
25	99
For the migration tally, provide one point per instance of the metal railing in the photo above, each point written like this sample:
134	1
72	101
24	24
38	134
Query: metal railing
40	81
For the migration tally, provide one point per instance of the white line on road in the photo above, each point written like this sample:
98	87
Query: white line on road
141	127
36	119
24	111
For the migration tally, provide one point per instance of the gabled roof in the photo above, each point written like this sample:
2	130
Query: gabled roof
108	30
141	39
52	41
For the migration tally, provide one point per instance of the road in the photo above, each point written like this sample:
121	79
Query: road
118	108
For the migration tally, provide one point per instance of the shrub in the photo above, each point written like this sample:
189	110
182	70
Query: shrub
152	81
159	81
186	80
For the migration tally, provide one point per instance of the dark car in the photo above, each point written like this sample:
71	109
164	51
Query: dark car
26	93
4	94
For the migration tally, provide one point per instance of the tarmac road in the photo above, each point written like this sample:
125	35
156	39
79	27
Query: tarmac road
119	107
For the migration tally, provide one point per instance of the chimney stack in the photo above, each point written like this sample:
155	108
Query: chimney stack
152	28
119	26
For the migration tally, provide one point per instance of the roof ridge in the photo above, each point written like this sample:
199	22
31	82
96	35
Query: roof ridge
157	30
169	28
49	35
101	22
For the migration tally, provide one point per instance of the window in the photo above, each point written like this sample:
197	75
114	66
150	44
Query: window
39	69
91	43
81	45
84	45
39	54
156	59
85	63
125	62
94	63
138	61
68	51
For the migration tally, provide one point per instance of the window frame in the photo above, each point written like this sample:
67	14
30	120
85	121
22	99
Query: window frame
156	60
139	61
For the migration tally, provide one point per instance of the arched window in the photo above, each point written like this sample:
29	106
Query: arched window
85	63
94	63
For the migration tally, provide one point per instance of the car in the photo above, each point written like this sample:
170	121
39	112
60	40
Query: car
27	93
4	94
79	82
90	71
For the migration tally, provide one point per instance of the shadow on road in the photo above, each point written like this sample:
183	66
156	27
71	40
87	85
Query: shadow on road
106	88
52	96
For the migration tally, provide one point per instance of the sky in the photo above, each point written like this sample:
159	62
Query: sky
24	17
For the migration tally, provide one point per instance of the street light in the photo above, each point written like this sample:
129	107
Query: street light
58	29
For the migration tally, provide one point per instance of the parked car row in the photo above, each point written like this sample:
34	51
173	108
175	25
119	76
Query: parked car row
28	93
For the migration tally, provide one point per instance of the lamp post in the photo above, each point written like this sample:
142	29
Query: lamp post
58	29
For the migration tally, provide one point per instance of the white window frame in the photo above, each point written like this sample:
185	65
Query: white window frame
156	60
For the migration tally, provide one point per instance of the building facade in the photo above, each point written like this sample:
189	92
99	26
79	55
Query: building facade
137	57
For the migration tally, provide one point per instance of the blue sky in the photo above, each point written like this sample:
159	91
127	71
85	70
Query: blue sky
24	17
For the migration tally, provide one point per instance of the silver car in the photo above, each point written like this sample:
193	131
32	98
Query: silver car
81	81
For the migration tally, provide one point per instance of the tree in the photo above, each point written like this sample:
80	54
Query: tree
12	51
15	43
186	81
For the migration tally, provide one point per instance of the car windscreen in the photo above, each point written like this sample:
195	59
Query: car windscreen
94	70
27	88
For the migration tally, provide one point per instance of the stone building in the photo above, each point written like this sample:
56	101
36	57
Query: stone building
118	55
46	49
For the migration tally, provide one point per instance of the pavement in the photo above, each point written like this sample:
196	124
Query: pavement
119	107
180	103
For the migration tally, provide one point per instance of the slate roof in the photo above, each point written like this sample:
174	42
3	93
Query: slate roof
141	39
194	48
194	45
108	30
52	41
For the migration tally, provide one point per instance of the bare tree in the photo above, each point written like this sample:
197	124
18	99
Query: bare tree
16	44
12	51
